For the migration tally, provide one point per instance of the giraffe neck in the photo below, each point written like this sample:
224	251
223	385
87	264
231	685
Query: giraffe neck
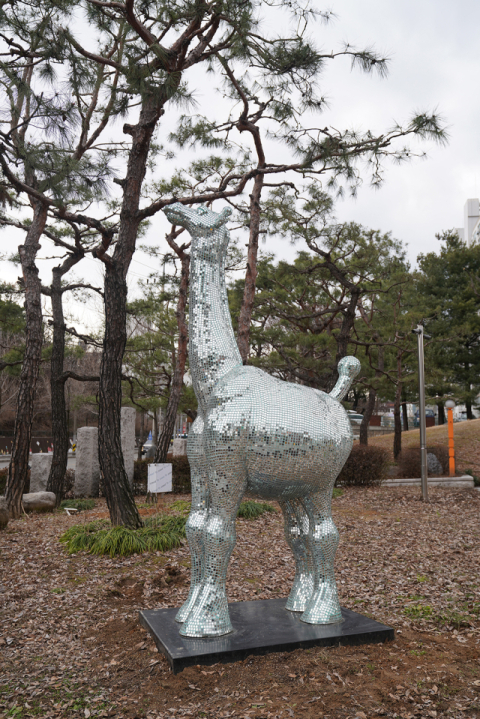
213	350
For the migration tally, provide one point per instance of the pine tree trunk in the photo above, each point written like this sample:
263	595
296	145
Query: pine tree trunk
372	395
441	413
118	492
468	407
246	310
405	416
56	479
180	361
18	468
343	337
397	436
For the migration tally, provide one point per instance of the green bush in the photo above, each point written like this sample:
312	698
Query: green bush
79	504
365	466
180	475
160	533
476	480
3	480
410	465
247	510
252	510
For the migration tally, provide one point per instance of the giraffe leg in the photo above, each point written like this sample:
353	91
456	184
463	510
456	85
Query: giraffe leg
323	606
296	531
198	513
209	615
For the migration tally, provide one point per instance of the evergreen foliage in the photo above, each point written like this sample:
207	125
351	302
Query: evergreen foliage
78	504
159	533
447	286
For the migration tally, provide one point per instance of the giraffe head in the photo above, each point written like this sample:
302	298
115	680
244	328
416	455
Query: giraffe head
207	228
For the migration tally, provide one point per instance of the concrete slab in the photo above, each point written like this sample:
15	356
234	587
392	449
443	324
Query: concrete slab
463	482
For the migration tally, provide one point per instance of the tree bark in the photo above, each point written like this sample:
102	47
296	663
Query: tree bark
180	361
18	468
372	396
142	435
118	492
56	478
405	416
468	407
441	413
246	310
397	437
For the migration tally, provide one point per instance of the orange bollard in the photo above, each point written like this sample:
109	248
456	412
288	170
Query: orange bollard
451	446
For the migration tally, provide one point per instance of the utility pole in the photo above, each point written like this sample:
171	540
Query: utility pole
421	406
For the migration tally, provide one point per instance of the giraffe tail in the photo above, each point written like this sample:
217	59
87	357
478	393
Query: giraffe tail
348	368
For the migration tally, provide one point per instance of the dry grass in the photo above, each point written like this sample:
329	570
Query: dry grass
466	437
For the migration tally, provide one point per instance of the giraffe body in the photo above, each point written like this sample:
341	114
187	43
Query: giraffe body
259	435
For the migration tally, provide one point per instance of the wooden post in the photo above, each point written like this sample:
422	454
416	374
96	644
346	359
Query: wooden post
451	446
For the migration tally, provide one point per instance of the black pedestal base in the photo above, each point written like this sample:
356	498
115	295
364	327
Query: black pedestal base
260	627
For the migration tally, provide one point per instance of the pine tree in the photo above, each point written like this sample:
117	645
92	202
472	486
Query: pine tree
135	65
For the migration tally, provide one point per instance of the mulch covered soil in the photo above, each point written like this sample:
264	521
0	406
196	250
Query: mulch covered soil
71	644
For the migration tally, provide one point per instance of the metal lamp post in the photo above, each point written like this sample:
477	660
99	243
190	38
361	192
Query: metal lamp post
450	404
421	406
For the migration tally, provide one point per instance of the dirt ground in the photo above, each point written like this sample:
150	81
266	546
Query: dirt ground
71	644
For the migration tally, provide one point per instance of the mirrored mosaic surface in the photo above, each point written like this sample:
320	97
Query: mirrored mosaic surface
254	434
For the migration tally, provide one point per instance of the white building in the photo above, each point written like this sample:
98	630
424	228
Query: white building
470	232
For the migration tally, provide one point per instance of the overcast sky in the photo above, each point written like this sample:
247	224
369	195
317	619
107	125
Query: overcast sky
434	51
434	58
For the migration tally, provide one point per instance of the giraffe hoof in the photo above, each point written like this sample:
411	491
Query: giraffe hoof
209	616
300	593
187	606
323	607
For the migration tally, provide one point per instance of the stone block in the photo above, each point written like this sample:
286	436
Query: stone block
38	501
259	627
40	465
179	447
87	470
128	439
3	513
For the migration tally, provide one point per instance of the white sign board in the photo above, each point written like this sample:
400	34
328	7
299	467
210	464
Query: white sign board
159	478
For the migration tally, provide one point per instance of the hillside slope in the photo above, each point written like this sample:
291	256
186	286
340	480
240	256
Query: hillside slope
466	436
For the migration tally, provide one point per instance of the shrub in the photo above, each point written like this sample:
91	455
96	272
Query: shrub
252	510
365	466
247	510
69	483
181	475
3	480
79	504
410	465
181	483
160	533
476	480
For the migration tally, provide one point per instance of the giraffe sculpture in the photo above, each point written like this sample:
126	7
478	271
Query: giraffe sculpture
256	434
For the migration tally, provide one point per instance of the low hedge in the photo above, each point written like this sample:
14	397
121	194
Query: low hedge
365	466
181	483
410	465
3	480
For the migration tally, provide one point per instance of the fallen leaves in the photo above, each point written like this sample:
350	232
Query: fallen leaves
71	643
